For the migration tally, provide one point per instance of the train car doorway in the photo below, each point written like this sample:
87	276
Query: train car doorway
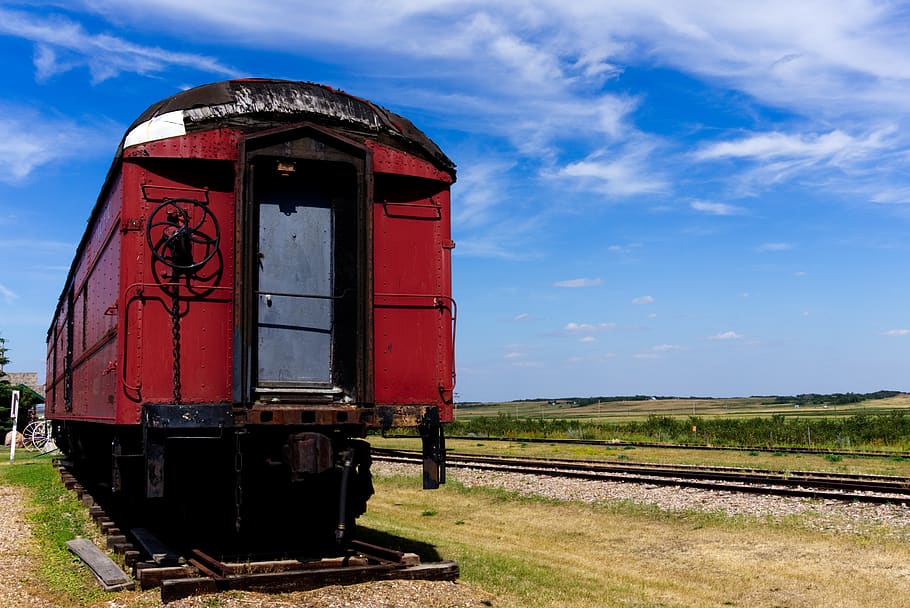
305	277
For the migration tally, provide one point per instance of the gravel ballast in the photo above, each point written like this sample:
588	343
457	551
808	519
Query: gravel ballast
836	515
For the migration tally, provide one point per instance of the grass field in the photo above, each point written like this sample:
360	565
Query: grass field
621	411
531	552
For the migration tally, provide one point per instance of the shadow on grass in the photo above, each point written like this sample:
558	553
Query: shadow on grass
426	551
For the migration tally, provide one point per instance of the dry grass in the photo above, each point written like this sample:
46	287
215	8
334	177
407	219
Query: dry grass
531	552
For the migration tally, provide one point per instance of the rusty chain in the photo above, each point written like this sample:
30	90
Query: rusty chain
175	331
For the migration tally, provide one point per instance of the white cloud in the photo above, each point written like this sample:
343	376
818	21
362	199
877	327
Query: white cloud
534	73
727	335
716	208
522	317
854	163
834	146
643	300
576	283
770	247
588	339
531	364
7	294
587	327
505	238
891	196
783	53
29	140
665	348
896	332
62	44
479	190
626	171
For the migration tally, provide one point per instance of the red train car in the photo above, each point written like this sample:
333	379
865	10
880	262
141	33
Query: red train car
265	276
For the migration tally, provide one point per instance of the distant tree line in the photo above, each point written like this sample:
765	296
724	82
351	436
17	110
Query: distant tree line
835	398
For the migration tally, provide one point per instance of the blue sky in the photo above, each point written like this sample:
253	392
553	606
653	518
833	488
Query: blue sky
674	198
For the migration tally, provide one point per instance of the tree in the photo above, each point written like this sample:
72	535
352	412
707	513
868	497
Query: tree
26	398
6	391
3	359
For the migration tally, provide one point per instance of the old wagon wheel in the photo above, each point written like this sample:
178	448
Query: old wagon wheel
37	434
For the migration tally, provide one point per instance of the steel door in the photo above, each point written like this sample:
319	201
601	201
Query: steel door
295	283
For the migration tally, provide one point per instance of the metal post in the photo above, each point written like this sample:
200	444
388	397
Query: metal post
15	413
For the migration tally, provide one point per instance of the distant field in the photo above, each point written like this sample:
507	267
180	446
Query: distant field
621	411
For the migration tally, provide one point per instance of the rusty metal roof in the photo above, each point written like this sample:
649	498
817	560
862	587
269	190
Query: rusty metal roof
259	103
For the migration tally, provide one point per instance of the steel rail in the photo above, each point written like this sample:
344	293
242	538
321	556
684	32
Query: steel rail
874	489
678	446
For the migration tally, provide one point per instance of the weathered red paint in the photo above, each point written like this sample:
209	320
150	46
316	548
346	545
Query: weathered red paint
413	308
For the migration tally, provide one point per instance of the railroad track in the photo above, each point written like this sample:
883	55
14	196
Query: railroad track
806	484
682	446
189	571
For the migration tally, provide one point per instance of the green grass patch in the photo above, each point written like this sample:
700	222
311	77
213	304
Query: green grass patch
55	516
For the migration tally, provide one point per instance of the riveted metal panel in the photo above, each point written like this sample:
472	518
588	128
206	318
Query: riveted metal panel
413	307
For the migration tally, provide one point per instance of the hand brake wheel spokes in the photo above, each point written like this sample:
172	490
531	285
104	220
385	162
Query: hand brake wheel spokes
183	234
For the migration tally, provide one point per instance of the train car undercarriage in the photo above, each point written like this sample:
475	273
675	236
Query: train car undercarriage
195	468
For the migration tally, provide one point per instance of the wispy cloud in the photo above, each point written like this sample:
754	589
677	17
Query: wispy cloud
835	146
576	327
480	190
63	44
37	245
626	171
716	208
896	332
578	283
7	294
771	247
29	140
858	163
665	348
536	73
727	335
643	300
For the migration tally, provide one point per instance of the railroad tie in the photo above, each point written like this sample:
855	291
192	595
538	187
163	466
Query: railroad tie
109	574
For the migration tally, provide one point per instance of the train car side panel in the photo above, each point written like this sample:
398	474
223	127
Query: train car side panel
56	366
412	300
88	328
180	321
